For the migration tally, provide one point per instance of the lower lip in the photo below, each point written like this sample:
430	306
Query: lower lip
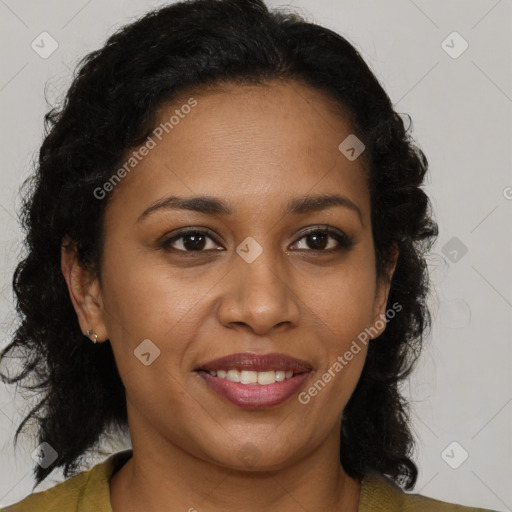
255	396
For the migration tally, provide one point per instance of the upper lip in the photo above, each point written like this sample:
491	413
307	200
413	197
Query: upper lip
257	363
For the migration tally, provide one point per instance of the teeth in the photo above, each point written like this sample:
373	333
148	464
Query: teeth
250	377
280	376
266	377
232	375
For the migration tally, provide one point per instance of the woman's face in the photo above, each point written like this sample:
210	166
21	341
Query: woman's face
254	283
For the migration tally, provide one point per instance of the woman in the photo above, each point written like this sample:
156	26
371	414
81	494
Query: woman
229	208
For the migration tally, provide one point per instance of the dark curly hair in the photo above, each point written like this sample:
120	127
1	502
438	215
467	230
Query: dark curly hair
111	107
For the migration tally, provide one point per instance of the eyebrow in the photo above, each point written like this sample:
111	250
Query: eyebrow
214	206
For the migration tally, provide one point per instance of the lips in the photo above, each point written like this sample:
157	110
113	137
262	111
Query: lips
255	396
257	363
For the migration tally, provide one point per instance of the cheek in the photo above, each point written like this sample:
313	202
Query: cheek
146	301
343	298
344	307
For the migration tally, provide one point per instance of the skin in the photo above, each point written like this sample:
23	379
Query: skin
257	147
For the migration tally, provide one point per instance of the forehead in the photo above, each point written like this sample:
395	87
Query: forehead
259	142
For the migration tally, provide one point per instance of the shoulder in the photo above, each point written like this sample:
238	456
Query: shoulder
63	496
86	492
380	494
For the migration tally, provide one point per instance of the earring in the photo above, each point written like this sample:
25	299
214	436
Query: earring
92	335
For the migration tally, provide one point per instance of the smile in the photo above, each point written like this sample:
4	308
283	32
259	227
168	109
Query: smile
263	378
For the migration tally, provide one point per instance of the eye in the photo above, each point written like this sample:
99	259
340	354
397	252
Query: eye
201	240
325	240
192	240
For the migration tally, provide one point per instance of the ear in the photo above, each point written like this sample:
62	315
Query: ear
84	291
382	293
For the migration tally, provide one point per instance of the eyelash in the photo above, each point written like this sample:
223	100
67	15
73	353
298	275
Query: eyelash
345	242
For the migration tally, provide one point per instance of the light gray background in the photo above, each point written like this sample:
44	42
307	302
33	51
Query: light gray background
461	108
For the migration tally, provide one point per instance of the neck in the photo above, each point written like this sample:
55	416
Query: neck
161	475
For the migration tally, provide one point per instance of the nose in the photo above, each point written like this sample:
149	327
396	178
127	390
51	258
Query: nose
259	296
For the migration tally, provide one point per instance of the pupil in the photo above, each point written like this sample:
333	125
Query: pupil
319	240
197	242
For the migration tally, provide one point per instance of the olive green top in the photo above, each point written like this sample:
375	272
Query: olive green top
89	491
